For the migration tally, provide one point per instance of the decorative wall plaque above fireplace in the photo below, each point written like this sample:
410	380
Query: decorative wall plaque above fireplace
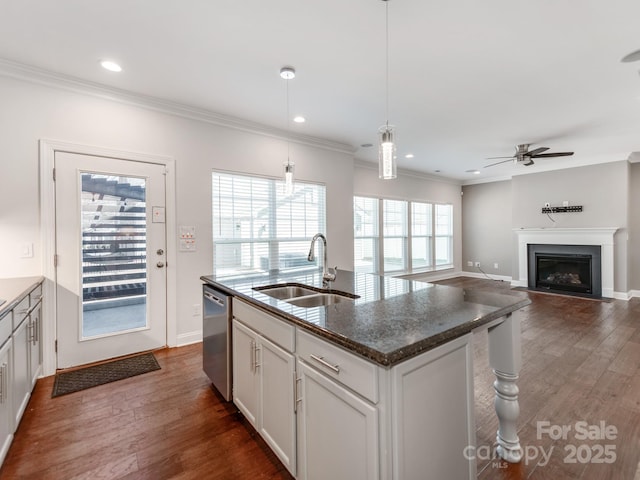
568	269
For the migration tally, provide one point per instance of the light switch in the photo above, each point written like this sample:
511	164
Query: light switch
187	238
26	250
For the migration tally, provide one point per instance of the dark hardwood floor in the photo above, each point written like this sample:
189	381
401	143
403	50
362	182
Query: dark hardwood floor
581	362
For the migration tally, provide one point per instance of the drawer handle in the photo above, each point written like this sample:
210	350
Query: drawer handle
322	361
3	383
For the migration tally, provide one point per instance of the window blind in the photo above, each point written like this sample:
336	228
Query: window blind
257	227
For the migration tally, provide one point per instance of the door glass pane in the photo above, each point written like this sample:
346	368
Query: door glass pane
114	254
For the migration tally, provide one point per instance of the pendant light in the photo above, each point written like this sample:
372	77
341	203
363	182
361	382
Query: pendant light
387	146
287	73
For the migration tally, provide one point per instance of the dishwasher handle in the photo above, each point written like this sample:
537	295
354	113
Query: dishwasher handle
210	296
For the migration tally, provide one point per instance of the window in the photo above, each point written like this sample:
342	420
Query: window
394	220
257	227
444	235
421	235
416	236
365	234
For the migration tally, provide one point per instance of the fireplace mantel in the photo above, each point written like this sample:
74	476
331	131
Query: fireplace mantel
602	236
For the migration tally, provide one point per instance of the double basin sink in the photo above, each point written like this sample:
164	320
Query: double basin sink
304	295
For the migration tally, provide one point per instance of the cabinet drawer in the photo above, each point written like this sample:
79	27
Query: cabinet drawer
36	295
20	312
354	372
275	329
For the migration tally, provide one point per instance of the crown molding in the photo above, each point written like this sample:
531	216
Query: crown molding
47	78
357	162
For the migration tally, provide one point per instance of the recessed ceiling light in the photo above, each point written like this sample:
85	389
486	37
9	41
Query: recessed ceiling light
409	155
111	66
475	172
299	119
366	145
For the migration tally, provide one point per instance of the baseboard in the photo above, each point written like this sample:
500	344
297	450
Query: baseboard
188	338
488	276
634	293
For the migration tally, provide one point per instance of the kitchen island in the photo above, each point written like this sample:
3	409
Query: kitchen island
378	386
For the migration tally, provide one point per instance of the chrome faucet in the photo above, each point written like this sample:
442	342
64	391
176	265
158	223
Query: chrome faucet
326	275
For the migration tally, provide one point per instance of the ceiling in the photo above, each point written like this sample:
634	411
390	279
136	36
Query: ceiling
468	79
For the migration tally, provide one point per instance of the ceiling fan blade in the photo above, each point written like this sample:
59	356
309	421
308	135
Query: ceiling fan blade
536	151
498	163
557	154
495	158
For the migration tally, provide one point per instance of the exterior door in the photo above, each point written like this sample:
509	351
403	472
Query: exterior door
110	254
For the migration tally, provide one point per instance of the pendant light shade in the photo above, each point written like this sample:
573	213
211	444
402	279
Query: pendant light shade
387	146
386	153
289	168
287	73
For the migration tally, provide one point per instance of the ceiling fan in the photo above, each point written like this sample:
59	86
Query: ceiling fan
525	156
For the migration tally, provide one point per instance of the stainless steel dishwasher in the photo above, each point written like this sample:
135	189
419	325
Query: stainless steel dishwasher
216	339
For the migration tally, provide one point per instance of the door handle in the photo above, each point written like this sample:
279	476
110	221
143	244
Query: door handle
160	251
160	264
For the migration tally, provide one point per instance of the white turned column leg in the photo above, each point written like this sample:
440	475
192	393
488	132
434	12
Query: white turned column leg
505	358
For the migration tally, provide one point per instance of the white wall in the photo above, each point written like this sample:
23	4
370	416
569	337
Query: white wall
31	112
603	191
487	232
413	186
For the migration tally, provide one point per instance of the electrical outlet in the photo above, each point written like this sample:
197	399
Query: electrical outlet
495	265
477	264
469	263
197	310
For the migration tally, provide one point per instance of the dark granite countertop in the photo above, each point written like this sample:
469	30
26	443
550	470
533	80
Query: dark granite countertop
393	320
12	290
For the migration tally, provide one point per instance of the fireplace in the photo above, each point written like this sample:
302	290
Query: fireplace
568	269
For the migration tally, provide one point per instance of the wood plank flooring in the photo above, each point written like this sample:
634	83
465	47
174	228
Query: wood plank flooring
581	362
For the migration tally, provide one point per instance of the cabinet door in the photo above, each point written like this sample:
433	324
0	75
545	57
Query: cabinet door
35	355
337	431
245	371
277	424
21	381
6	413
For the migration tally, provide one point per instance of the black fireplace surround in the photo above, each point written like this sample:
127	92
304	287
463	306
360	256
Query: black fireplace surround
568	269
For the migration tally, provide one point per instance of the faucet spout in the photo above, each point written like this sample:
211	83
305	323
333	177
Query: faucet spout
326	275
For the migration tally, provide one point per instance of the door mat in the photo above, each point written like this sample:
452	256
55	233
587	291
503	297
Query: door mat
83	378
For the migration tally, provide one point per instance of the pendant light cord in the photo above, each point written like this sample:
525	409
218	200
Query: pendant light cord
386	2
288	125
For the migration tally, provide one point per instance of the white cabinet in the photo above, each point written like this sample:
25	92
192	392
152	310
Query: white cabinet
245	371
34	330
337	430
20	361
432	415
330	414
6	411
21	375
264	378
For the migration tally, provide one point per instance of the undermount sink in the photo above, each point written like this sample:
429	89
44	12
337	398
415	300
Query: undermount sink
318	300
286	291
303	296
